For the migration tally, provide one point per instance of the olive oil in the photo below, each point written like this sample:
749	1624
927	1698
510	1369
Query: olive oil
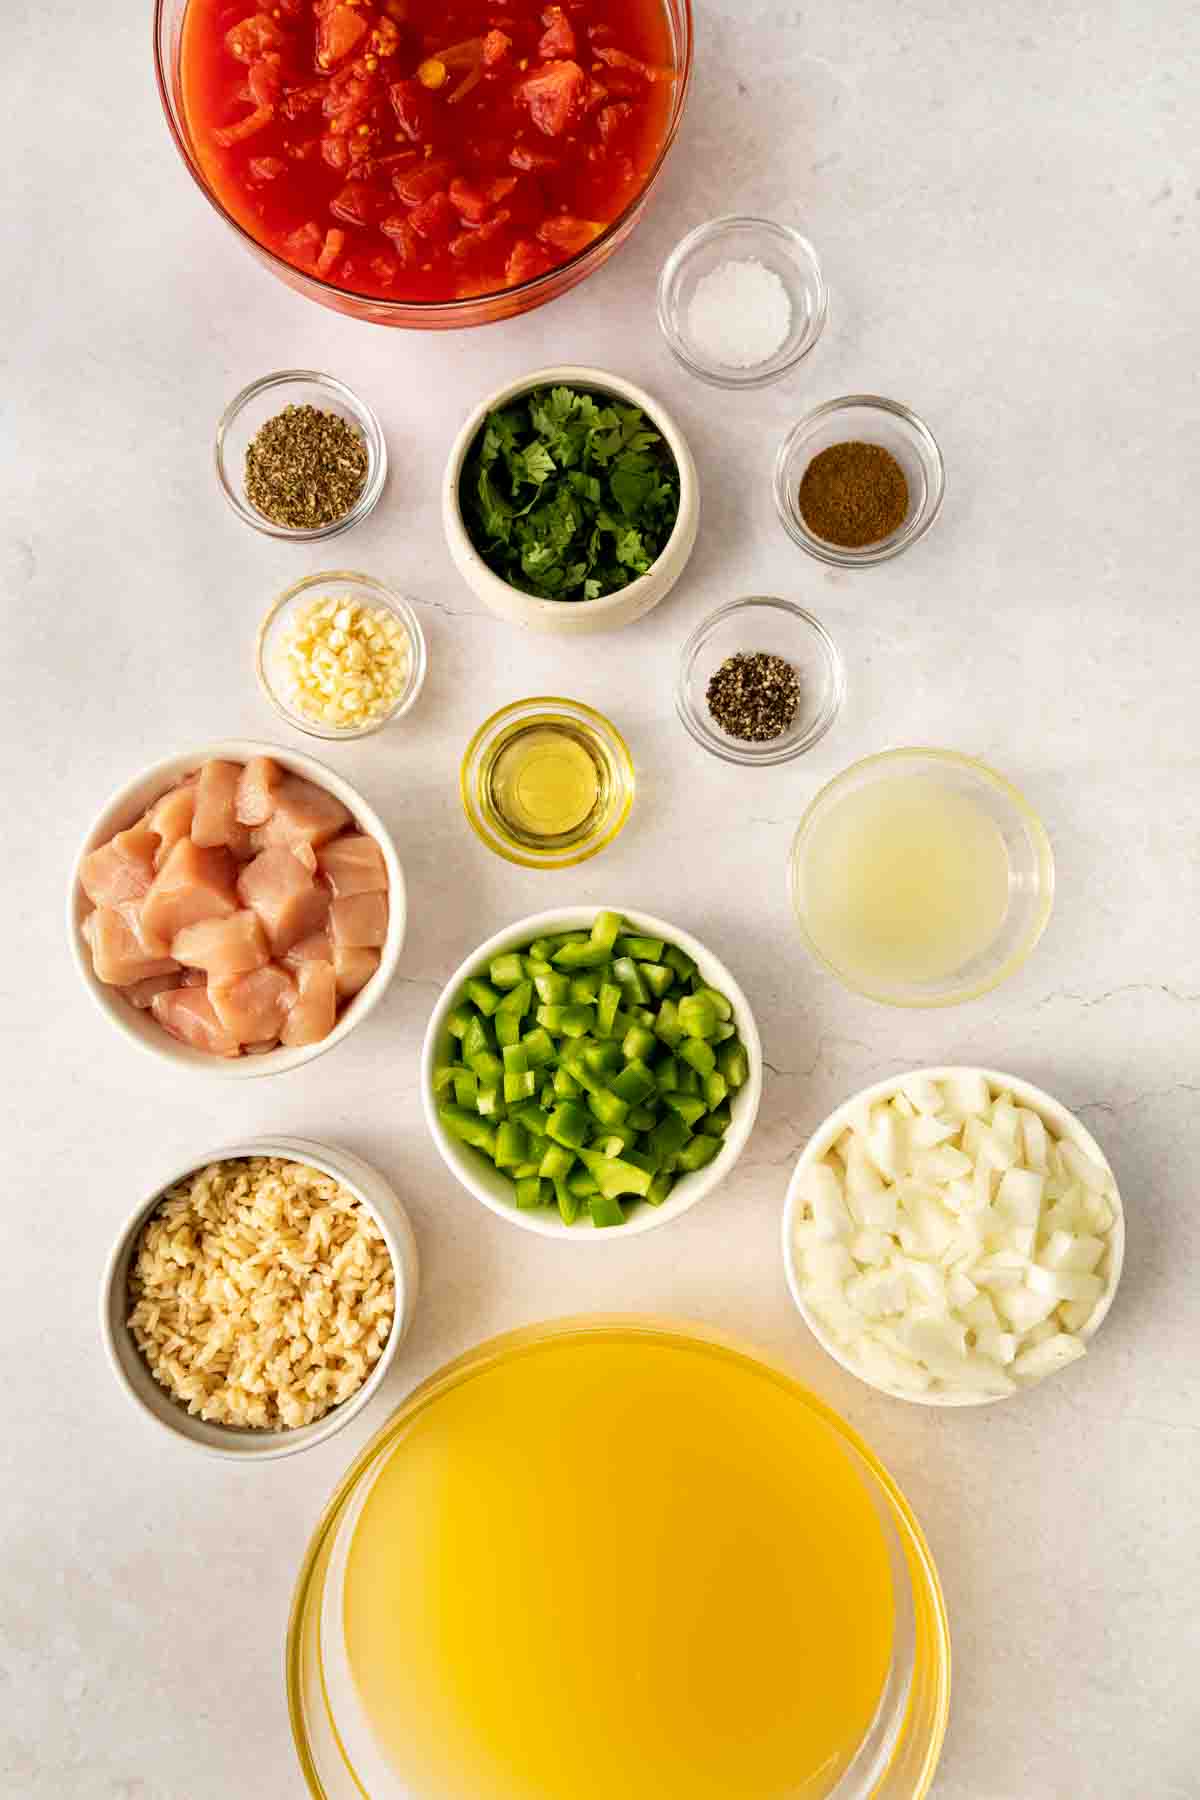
546	782
618	1565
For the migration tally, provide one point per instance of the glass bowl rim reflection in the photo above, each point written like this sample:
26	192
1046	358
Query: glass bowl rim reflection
803	254
459	310
685	1333
760	755
382	595
987	776
510	848
841	556
373	439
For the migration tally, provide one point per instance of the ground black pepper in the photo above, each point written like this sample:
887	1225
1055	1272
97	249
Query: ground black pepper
853	495
754	697
305	468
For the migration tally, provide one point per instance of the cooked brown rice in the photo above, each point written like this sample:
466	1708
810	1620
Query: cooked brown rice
261	1293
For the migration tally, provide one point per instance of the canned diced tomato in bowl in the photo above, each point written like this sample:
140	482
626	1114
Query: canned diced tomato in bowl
418	164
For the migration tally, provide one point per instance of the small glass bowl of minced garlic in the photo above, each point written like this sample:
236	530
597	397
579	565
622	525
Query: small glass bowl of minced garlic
299	456
760	681
339	655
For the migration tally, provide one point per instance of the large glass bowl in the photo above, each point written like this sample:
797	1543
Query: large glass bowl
898	1754
427	315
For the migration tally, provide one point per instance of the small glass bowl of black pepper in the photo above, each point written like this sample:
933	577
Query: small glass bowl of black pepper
858	480
314	470
760	681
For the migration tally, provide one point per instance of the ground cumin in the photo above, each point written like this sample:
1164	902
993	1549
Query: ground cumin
853	495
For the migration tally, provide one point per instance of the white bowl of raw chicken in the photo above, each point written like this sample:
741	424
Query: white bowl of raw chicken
127	806
822	1307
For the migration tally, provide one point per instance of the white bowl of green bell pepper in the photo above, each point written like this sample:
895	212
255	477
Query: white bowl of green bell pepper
591	1073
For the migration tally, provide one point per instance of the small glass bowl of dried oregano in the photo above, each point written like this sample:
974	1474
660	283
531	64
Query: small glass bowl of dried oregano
760	681
858	480
300	456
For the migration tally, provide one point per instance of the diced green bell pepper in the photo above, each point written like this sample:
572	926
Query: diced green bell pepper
697	1052
608	1107
522	1086
466	1087
482	994
642	1118
734	1064
606	929
553	989
568	1203
716	1089
608	1004
666	1075
507	971
639	1045
443	1078
680	961
697	1015
538	1046
532	1192
468	1128
628	978
689	1107
459	1019
570	1125
634	1083
659	1188
606	1211
556	1161
698	1151
614	1175
666	1024
580	956
642	949
658	978
668	1137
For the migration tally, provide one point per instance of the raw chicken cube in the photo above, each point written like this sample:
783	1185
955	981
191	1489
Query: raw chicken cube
353	968
254	1006
353	864
223	947
312	1016
193	978
216	820
303	814
141	993
289	902
118	955
360	921
256	790
187	1013
192	884
315	948
120	870
171	819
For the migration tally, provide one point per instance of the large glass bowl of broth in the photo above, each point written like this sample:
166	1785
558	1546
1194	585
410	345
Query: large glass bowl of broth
397	161
609	1556
921	877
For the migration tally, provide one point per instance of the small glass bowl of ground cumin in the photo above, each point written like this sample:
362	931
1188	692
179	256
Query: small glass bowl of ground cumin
760	681
858	481
300	456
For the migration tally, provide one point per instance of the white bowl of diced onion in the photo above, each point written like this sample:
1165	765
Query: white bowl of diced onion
952	1236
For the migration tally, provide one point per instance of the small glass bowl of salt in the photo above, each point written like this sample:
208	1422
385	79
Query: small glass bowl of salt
741	301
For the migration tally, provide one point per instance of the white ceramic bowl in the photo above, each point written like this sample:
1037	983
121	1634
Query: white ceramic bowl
126	806
492	1188
1064	1125
566	618
131	1370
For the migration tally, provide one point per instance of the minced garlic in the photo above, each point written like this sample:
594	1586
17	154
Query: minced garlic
346	663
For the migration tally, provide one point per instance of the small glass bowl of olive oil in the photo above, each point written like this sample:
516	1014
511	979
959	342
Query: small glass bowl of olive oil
547	782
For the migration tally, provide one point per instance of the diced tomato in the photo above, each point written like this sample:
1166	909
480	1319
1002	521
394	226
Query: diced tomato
434	218
566	233
303	246
237	134
414	185
384	268
612	120
385	39
525	157
620	59
468	202
340	31
347	100
413	109
558	39
356	204
300	100
496	46
264	81
331	249
267	168
554	96
470	243
402	235
526	262
335	152
254	37
597	93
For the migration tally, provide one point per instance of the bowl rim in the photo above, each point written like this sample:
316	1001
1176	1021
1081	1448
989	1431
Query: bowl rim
1043	848
398	604
242	1444
372	432
838	556
126	804
627	603
565	708
1052	1111
761	756
457	310
774	368
693	1187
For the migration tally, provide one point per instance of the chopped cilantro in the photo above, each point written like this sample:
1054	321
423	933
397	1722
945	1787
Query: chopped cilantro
569	495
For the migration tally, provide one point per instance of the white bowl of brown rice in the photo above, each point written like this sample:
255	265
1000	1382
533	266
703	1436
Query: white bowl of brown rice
254	1303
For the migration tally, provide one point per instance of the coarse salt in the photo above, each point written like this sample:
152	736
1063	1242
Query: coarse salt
740	314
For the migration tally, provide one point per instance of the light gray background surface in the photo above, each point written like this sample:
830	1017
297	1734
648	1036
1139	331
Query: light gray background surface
1006	200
